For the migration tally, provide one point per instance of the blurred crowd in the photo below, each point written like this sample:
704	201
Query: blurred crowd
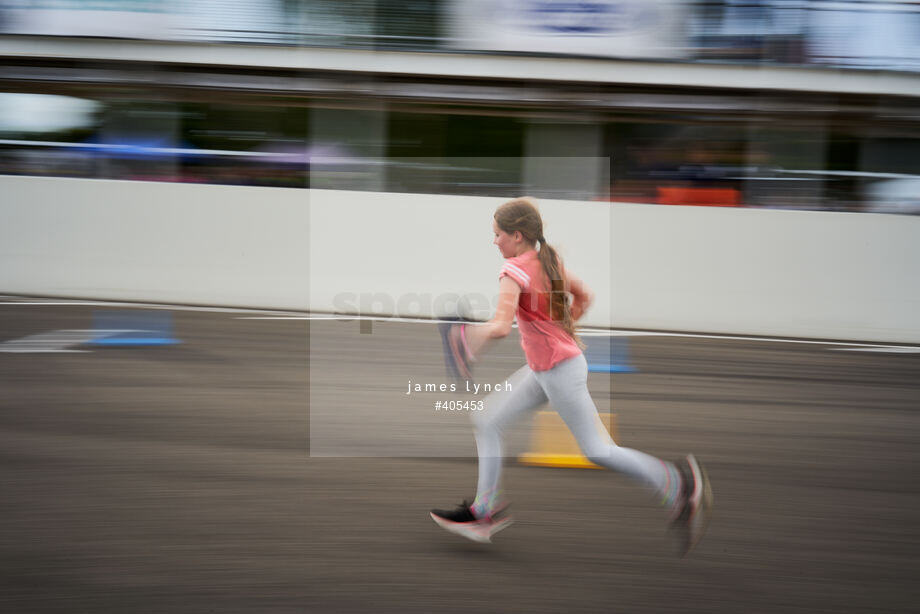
858	154
679	160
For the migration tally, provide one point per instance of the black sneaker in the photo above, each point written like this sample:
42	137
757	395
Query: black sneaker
695	507
463	522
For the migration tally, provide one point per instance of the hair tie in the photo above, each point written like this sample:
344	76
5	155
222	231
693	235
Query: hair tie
542	240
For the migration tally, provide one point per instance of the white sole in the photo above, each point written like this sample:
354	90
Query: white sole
700	502
480	532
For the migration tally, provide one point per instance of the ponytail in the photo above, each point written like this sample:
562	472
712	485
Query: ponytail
559	308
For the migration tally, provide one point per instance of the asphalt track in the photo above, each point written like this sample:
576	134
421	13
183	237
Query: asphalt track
180	478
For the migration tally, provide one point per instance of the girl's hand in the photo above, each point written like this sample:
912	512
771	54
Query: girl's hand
582	297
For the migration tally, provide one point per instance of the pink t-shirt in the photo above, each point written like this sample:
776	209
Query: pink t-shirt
545	342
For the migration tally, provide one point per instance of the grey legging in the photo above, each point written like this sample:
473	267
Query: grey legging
565	386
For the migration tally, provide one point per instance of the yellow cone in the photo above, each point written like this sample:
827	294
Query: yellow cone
552	444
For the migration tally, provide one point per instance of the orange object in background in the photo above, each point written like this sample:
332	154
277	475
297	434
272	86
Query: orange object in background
706	197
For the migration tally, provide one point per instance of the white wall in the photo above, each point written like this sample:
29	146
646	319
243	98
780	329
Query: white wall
180	243
799	274
765	272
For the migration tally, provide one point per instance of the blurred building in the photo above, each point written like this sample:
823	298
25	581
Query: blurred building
806	104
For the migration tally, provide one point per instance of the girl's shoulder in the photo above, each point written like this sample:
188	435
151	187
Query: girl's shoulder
521	269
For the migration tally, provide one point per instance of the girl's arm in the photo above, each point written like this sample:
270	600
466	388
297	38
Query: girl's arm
582	297
478	336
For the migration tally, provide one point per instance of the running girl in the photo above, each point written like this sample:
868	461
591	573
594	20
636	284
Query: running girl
547	299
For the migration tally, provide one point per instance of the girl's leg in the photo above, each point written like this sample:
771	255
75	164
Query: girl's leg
566	385
501	409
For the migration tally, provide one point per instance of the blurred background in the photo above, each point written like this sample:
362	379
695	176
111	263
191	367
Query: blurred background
796	104
276	197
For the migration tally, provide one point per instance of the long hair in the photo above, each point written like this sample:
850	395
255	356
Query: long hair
522	215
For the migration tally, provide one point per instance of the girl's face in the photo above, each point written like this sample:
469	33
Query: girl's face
507	244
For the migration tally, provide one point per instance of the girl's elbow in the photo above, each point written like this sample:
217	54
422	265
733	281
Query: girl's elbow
501	330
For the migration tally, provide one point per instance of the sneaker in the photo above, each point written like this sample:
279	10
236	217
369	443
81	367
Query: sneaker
463	522
695	506
457	357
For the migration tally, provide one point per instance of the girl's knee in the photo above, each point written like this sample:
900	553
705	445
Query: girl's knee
599	458
600	454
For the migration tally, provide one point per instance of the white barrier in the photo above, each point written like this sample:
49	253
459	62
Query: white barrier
753	272
158	242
